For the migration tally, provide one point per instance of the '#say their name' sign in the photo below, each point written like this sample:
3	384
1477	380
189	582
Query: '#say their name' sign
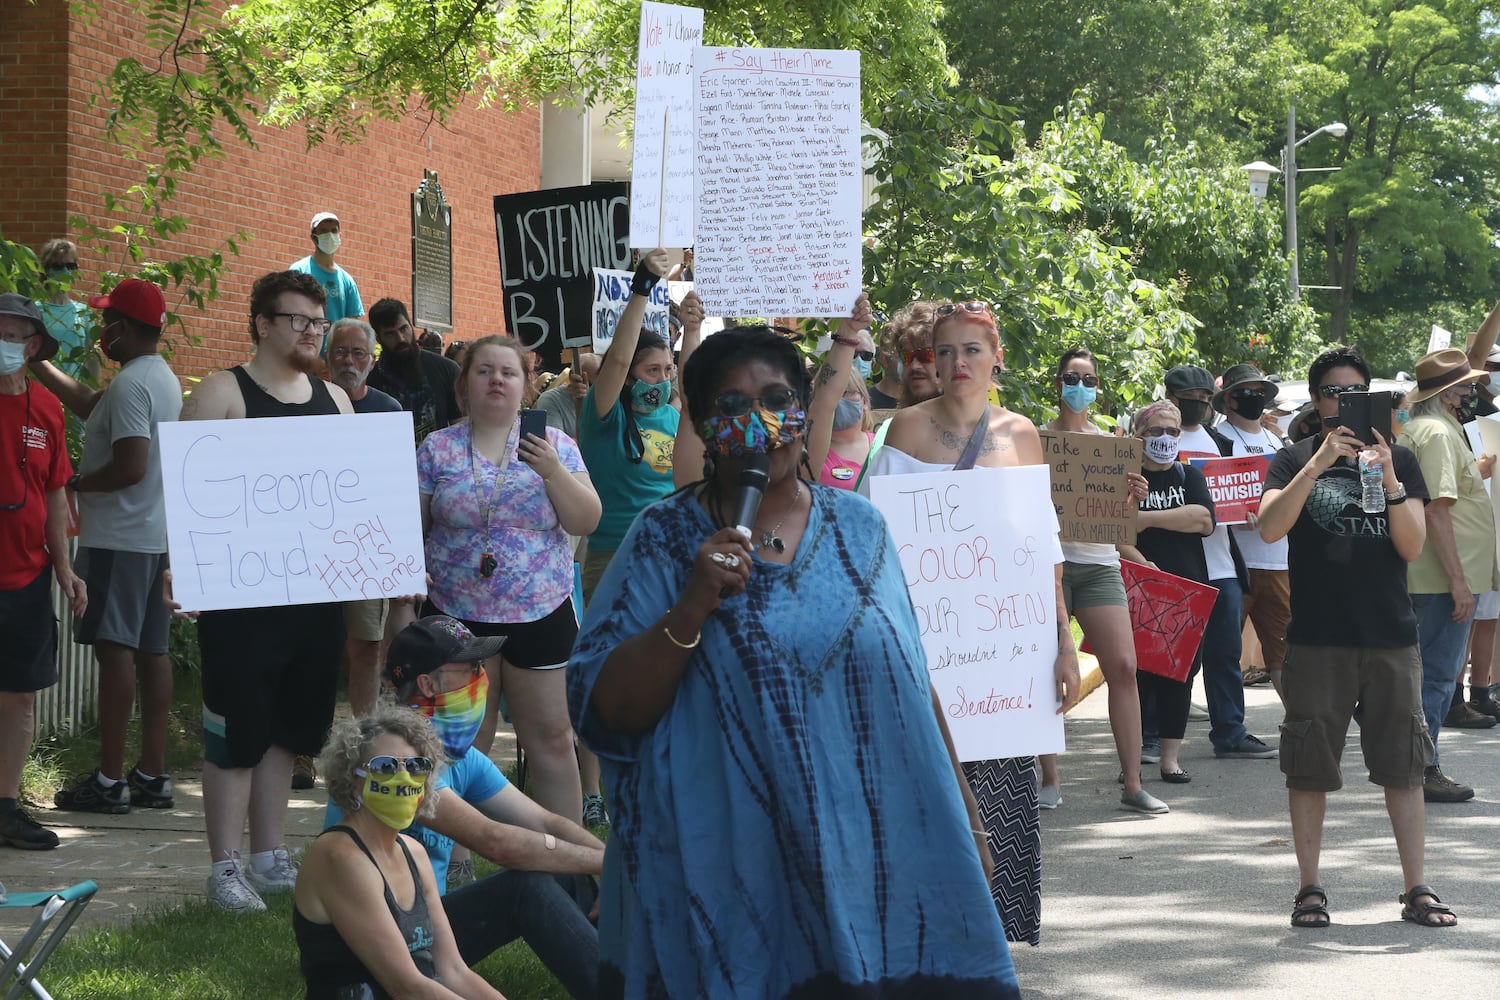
292	510
1235	485
1090	485
612	295
980	573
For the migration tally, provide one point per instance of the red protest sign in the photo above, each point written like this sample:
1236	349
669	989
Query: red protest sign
1235	485
1168	615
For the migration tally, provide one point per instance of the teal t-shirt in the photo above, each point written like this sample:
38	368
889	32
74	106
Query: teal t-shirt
625	488
68	322
343	293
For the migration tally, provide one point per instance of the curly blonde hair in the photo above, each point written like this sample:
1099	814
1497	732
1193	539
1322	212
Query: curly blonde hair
348	748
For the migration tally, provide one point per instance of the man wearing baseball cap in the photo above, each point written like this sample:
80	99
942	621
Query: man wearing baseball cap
546	890
338	284
122	545
34	468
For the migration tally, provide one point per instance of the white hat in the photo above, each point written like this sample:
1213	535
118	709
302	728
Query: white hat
323	217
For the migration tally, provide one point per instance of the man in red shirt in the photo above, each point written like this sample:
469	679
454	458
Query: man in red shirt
34	468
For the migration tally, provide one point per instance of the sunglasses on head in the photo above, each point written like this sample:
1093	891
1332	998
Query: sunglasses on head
949	308
386	766
922	355
1335	391
737	404
1073	378
1156	432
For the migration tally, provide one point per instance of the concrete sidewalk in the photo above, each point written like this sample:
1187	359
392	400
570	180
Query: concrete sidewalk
1188	905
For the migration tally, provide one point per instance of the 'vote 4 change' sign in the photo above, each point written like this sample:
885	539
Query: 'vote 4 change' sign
980	571
294	510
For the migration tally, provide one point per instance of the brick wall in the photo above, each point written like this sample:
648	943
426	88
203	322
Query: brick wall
56	162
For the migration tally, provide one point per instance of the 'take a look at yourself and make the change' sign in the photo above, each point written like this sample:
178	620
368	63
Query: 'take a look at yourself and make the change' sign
295	510
1091	486
982	582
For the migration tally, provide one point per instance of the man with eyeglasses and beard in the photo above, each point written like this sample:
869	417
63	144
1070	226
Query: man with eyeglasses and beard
910	372
422	382
270	675
34	468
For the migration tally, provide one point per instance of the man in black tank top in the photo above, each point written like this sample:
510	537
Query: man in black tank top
270	675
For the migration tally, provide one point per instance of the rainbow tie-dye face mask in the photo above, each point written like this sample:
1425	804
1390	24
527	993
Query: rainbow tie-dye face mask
753	432
456	715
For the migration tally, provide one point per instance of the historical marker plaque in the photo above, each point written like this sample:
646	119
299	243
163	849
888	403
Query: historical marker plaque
431	256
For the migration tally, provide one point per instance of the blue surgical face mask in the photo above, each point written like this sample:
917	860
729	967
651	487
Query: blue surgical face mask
848	414
1079	397
647	397
864	368
12	357
1402	415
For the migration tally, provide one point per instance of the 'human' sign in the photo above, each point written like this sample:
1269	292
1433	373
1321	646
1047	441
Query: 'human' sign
296	510
978	550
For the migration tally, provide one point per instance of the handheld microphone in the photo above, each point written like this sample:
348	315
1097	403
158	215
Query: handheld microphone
754	478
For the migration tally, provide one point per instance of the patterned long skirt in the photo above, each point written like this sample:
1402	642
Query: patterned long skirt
1006	791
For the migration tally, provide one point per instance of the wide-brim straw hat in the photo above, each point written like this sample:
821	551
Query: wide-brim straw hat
1440	370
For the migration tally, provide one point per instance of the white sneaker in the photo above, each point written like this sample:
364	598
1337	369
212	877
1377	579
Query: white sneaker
1049	797
229	890
1197	712
1143	802
281	877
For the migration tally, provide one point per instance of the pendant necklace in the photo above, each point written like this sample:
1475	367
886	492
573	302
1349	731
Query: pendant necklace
769	539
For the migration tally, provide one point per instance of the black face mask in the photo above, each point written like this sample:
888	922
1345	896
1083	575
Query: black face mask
1250	408
1193	411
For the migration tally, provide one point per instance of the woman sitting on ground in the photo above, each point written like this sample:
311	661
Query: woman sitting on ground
368	920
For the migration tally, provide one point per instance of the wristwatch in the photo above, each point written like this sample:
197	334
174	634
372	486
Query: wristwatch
1398	496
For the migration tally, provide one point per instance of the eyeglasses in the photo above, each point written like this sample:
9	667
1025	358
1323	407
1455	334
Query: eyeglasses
949	308
922	355
386	766
354	353
737	404
472	669
1249	394
1335	391
16	338
1073	378
300	323
1156	432
865	355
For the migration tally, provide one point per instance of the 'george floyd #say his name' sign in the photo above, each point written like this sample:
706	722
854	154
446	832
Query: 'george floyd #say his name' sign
292	510
978	549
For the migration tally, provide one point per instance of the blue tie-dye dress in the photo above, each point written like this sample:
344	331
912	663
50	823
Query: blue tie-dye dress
792	827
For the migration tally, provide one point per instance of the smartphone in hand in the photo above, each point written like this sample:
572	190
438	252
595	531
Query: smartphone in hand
534	422
1366	412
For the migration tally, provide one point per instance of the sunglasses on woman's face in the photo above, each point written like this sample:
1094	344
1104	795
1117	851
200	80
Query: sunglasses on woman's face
386	766
1335	391
1156	432
1073	378
949	308
922	355
737	404
865	355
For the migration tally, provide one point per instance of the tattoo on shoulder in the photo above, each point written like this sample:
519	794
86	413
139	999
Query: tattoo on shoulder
993	441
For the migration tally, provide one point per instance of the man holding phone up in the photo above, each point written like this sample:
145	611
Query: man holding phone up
1458	559
1352	638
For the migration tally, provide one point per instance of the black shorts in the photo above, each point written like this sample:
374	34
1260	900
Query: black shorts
28	653
270	677
544	644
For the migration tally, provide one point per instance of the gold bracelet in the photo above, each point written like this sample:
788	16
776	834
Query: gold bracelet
667	631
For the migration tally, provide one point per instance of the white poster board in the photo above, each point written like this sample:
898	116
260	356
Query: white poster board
778	181
612	295
1439	339
981	578
662	160
292	510
678	290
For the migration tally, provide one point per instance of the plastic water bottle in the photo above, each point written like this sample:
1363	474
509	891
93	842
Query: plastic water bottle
1371	482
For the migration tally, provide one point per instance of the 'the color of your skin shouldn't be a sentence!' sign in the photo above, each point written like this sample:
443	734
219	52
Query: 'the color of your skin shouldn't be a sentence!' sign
982	581
292	510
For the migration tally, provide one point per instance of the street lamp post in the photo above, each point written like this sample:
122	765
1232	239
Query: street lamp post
1260	175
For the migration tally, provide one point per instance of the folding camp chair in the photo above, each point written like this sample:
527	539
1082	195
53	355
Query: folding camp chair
18	975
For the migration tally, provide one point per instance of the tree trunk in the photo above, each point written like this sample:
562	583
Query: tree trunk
1342	268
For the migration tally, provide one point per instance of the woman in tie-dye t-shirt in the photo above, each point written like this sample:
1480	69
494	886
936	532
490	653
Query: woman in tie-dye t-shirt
497	512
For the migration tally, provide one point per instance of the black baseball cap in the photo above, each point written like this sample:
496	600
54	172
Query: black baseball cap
430	642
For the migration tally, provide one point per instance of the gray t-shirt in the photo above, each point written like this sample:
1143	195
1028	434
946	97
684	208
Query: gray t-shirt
561	413
144	394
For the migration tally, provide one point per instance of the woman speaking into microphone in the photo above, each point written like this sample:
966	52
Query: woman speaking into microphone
788	817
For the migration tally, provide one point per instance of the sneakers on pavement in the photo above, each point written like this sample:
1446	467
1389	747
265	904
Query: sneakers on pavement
1438	787
149	793
86	794
1486	705
1151	753
1196	712
1253	675
230	890
18	829
1462	716
1248	748
594	813
304	774
281	877
1049	797
1143	801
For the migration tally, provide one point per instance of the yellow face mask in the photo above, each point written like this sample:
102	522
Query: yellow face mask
393	800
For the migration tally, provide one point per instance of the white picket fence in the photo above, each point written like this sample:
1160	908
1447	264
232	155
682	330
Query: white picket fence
72	703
